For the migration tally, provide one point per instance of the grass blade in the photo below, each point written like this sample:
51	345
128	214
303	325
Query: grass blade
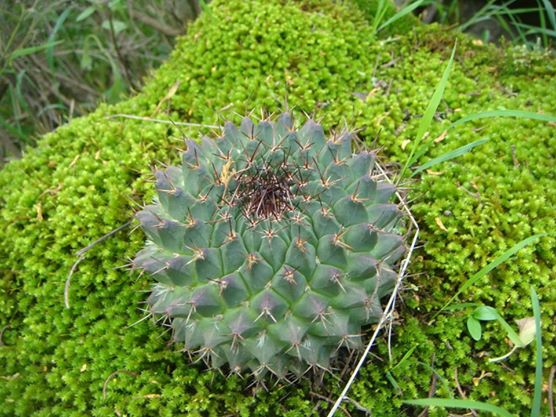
466	404
407	355
537	396
512	335
426	121
406	10
542	23
31	50
496	262
381	10
549	8
540	31
14	130
51	39
482	14
505	113
449	155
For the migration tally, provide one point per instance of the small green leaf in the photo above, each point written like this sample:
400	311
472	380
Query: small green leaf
485	313
118	25
474	327
85	13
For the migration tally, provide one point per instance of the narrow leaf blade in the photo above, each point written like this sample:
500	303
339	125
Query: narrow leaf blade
537	396
505	113
406	10
496	262
426	120
465	404
462	150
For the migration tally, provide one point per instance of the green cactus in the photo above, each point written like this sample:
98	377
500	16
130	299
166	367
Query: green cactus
270	247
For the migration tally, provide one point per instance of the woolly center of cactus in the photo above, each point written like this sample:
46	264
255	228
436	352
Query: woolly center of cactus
265	192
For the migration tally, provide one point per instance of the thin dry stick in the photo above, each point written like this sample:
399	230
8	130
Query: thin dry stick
154	23
81	254
167	122
359	407
432	388
389	306
112	375
329	400
116	46
2	334
460	390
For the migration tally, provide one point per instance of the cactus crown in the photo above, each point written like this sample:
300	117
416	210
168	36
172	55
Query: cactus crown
271	247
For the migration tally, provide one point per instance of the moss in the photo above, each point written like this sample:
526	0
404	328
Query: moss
85	179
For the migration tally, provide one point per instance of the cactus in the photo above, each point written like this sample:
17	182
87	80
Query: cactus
271	247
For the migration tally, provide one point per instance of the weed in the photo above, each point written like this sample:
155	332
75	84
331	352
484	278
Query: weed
487	313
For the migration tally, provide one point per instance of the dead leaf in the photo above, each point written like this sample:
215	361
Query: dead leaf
405	143
527	329
440	224
372	93
436	173
478	379
171	93
441	137
74	161
227	173
380	118
38	208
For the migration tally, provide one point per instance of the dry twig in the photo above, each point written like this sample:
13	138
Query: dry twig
81	254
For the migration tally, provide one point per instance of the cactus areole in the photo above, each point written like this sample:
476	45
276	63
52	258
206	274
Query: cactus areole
271	247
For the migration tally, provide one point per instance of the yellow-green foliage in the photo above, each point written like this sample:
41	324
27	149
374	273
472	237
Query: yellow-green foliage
86	179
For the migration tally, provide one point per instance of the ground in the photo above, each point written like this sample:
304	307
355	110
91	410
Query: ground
320	58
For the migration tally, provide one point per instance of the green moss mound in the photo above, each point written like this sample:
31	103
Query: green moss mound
98	358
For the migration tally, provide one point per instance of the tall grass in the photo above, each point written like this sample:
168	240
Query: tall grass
59	58
507	15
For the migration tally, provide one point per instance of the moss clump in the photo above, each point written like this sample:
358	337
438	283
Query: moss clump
86	178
